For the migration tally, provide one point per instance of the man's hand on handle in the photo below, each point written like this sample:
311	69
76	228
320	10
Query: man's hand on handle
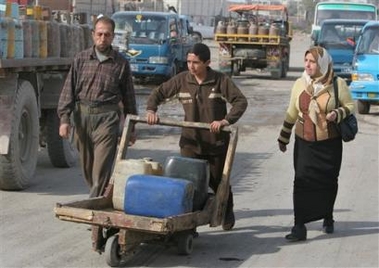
217	125
152	117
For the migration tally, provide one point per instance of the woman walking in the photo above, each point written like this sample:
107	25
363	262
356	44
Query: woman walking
318	145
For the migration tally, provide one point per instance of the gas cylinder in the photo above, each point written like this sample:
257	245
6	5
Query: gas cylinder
27	32
63	31
53	39
18	40
87	35
263	32
35	38
3	38
231	29
253	30
273	32
12	11
243	28
221	29
42	28
11	37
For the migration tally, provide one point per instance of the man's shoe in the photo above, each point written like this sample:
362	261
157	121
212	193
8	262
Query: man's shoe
298	233
328	226
229	220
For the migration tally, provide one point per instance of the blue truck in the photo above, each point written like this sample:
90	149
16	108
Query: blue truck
339	37
365	77
155	43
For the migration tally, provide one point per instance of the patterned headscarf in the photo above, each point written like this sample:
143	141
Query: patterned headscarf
321	81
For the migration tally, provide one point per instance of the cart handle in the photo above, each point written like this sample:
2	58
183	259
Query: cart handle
175	123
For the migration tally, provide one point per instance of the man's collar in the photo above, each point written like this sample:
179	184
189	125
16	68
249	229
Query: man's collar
210	78
111	54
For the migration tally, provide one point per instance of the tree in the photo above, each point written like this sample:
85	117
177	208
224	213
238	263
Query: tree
309	7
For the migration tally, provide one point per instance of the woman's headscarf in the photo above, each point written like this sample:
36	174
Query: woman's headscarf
321	81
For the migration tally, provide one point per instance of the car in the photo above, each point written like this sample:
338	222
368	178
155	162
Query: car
338	37
365	77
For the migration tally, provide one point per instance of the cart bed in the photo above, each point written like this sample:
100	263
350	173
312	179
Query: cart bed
99	211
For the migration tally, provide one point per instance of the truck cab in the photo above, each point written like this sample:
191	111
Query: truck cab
365	77
338	37
155	43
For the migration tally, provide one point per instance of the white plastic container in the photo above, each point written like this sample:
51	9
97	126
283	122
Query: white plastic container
124	169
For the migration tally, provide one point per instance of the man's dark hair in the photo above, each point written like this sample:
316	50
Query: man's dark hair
202	51
105	19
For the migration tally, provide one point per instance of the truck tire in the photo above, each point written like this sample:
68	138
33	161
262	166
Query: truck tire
236	69
62	152
363	107
17	168
277	74
285	67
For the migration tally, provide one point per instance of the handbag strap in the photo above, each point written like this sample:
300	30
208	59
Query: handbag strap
335	87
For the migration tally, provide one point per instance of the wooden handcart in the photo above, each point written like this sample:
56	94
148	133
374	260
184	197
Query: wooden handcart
117	234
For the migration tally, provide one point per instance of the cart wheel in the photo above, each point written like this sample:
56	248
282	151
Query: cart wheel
112	254
185	243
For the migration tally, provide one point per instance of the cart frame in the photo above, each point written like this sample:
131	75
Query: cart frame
118	233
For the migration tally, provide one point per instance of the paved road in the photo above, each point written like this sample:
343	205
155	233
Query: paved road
30	235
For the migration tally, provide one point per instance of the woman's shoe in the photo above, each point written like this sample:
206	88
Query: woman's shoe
328	226
298	233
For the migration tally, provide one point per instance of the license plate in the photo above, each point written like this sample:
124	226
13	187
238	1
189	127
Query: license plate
134	67
346	70
372	95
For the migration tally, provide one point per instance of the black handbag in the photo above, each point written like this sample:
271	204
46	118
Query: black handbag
348	127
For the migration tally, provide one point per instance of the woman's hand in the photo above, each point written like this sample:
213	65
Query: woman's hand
331	116
282	147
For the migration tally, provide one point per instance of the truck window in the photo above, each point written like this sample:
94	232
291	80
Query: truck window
143	29
369	43
174	29
342	10
340	34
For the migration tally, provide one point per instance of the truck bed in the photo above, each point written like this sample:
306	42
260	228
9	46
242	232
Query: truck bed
36	63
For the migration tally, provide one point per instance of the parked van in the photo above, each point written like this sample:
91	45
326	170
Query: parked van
155	43
365	77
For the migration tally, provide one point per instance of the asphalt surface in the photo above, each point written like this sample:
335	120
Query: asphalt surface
262	177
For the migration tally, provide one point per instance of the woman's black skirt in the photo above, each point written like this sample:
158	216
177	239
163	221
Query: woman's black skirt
317	166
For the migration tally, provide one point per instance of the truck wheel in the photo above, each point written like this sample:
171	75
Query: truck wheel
17	168
285	68
62	152
112	251
277	74
236	69
363	107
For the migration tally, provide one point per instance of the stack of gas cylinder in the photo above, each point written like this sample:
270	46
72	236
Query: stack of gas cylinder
31	32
